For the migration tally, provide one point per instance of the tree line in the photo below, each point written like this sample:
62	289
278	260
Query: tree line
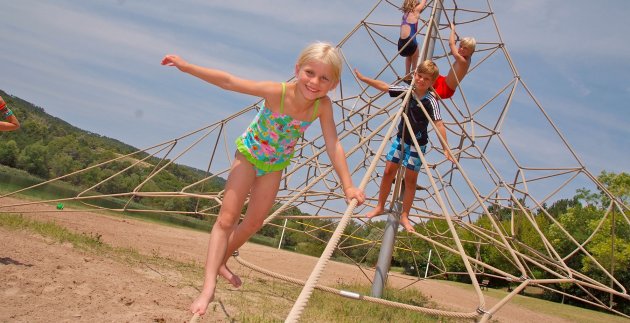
48	147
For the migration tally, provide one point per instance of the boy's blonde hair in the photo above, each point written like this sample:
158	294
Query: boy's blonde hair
468	42
408	5
324	52
428	67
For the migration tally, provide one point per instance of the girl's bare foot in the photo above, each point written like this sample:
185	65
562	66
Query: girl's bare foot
200	305
407	225
375	212
226	273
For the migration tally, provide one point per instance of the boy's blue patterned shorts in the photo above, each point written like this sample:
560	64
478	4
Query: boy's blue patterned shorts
410	157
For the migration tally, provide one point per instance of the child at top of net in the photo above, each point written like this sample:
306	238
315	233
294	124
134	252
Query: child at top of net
407	43
266	148
403	149
445	86
8	121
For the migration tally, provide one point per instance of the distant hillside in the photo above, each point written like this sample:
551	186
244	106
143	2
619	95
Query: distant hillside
31	115
48	147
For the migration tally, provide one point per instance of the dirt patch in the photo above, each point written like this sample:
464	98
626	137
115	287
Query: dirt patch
44	281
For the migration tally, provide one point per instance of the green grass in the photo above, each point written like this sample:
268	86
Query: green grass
270	300
568	312
14	179
265	241
90	242
52	230
326	307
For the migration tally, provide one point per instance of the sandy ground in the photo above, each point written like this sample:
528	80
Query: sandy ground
45	281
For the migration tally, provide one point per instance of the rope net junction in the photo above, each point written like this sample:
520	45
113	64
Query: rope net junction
505	172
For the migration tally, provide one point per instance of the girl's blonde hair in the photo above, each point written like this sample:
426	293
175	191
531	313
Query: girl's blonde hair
468	42
408	5
324	52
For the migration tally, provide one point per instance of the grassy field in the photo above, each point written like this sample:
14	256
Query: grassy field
568	312
259	301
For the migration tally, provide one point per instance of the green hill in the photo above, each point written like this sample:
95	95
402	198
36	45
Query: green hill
47	147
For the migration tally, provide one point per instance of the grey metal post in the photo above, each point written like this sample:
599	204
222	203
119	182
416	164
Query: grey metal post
389	235
429	46
387	248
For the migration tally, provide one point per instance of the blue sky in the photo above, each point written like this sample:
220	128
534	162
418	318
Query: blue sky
96	64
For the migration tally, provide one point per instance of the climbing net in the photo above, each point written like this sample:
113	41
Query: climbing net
506	172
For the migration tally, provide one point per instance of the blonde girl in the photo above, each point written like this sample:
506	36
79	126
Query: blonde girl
266	148
445	86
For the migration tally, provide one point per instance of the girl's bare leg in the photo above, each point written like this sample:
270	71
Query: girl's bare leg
410	64
242	176
414	61
407	76
262	198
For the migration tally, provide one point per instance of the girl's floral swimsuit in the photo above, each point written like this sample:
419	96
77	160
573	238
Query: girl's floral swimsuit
269	141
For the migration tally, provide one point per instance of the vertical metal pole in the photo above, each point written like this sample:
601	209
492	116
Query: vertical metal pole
389	235
428	46
426	271
387	248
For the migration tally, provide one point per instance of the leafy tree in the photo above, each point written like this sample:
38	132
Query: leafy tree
35	129
9	153
33	160
576	224
561	206
617	184
602	246
61	164
581	222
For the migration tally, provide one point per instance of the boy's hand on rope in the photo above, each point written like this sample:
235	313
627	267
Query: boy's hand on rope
355	193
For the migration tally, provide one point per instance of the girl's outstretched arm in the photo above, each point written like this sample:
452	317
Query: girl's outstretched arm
336	153
10	122
221	78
